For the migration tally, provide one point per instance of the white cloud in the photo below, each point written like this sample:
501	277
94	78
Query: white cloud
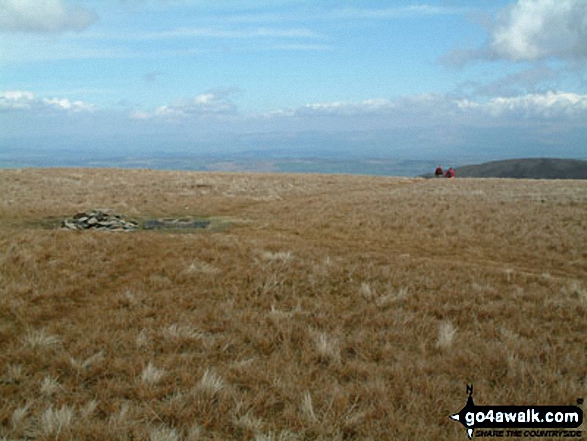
532	30
550	104
346	108
16	100
65	104
535	29
421	107
424	108
45	16
205	105
137	114
417	123
414	109
11	100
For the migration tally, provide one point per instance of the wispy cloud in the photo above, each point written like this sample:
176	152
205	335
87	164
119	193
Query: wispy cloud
532	80
213	32
302	47
316	13
259	32
43	16
29	48
395	12
265	38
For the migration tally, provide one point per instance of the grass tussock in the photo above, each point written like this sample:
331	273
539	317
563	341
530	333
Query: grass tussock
446	333
40	340
151	375
327	308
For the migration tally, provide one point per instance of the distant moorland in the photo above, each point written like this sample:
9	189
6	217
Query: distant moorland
257	163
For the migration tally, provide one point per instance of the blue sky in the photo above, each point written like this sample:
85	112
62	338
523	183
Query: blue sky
485	79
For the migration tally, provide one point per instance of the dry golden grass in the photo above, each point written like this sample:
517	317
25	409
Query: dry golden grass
330	308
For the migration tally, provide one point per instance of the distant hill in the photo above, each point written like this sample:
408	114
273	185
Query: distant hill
532	168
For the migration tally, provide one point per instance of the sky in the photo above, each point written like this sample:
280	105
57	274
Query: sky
479	79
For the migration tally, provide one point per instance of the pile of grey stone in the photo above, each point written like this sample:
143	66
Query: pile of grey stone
99	220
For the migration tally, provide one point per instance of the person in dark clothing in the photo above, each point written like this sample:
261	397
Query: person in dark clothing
438	173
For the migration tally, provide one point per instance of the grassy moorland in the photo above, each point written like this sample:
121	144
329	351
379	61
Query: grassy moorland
322	307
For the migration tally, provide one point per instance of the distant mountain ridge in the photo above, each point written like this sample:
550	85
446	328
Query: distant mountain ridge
530	168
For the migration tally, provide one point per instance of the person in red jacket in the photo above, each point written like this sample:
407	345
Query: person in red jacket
438	173
450	173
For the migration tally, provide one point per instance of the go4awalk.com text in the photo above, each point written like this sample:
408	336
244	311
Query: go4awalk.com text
519	421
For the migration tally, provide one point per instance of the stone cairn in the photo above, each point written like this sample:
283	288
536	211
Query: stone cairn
99	220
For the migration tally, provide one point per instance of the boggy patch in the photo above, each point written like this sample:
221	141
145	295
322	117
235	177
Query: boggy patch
183	223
